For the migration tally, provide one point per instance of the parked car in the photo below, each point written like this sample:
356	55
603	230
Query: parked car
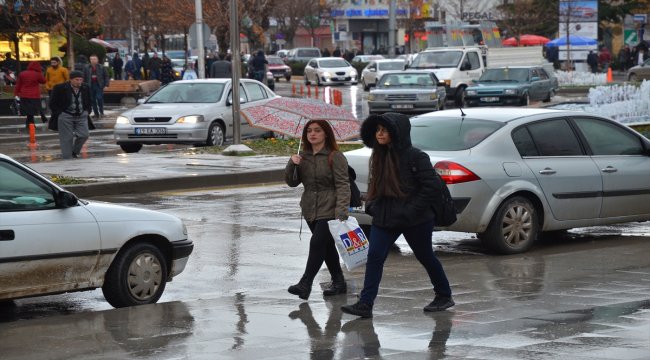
639	72
511	85
367	58
376	68
303	54
279	68
282	54
329	71
51	242
407	92
517	172
189	112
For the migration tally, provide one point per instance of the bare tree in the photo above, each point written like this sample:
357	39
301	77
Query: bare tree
290	17
529	17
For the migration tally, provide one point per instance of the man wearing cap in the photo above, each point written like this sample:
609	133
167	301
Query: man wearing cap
70	105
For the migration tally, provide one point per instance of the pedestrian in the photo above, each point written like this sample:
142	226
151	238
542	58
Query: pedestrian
166	71
592	61
337	52
400	193
9	63
55	74
97	79
221	68
623	55
326	52
28	90
118	64
145	65
154	67
323	171
70	104
137	67
259	65
189	73
129	68
605	58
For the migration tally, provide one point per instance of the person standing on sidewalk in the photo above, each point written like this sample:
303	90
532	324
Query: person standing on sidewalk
117	65
28	89
96	77
323	171
55	74
70	104
400	194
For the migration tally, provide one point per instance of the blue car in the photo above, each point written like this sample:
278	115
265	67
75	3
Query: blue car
511	85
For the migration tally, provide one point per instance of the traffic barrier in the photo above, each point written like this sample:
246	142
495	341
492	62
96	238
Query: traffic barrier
610	77
32	133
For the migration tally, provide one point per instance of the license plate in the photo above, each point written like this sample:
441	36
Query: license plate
402	106
151	131
489	99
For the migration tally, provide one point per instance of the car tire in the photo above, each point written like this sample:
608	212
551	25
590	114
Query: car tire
550	96
215	135
460	97
633	77
288	78
131	147
513	228
137	276
365	86
525	100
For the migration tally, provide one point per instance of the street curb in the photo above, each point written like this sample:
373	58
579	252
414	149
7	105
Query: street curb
176	183
25	137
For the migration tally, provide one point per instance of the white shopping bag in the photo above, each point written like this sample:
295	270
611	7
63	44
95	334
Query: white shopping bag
351	242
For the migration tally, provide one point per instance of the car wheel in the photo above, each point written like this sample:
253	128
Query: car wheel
288	78
633	77
460	97
513	228
306	79
131	147
365	86
550	96
215	135
137	276
525	100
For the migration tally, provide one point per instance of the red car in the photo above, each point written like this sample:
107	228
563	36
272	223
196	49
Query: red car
278	68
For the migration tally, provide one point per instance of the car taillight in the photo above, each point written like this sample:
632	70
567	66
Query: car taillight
453	173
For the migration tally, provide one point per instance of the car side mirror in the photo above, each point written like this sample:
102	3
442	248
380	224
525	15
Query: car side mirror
229	101
535	78
442	83
372	70
66	199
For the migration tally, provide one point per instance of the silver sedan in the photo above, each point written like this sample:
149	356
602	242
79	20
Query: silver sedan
330	71
407	92
189	112
516	172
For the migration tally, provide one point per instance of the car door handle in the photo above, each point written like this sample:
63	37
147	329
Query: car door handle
609	169
6	235
547	171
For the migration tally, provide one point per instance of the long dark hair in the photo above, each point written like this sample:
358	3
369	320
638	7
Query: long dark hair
330	140
384	173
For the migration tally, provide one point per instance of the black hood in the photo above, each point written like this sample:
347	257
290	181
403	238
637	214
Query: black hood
398	125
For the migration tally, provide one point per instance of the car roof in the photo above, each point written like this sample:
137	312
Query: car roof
388	60
501	114
327	58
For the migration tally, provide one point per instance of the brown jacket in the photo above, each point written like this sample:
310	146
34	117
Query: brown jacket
327	189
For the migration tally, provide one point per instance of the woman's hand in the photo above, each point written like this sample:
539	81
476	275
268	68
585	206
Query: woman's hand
296	159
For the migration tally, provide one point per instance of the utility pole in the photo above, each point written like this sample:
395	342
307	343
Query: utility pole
199	38
391	28
236	65
131	27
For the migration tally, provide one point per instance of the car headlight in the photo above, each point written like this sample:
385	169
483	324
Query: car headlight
510	92
353	72
472	92
122	120
371	97
192	119
429	96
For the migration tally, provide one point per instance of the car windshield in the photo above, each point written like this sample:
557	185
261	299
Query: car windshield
275	61
392	80
391	65
333	63
450	133
188	93
175	54
309	53
504	74
437	59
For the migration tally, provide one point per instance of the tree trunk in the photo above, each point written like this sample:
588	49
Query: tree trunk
17	47
70	49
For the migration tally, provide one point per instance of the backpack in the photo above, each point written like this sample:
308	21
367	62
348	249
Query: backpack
355	193
443	204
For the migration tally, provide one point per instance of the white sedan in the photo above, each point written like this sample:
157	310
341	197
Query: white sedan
51	242
330	71
376	68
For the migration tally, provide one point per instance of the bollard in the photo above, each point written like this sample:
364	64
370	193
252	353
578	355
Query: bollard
302	91
293	89
32	152
316	92
308	91
331	96
32	133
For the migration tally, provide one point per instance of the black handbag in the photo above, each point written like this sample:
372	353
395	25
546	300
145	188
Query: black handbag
53	124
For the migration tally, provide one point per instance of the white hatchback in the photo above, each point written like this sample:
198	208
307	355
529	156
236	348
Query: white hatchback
51	242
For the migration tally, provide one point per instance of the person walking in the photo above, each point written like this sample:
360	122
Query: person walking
592	61
28	90
55	74
400	193
97	79
154	67
117	65
323	171
259	64
166	71
137	67
221	68
604	58
70	104
145	65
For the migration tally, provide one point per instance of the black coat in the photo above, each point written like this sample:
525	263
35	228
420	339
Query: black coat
60	100
417	176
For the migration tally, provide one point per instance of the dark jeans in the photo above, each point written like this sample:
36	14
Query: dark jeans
154	74
419	239
97	99
321	249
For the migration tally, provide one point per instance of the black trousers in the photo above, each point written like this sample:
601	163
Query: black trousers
321	249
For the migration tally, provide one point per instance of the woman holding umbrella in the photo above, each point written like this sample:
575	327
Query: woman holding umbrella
323	171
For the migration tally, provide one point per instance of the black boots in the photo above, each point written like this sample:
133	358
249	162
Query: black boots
302	288
338	286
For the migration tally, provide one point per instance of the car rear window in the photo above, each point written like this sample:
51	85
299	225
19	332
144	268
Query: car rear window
188	93
450	134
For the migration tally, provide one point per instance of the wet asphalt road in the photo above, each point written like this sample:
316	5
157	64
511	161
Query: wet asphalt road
580	295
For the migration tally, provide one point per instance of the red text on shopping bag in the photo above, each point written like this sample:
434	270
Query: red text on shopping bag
354	240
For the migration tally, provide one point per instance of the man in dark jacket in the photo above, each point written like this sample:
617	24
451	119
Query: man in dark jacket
259	64
592	61
221	68
154	67
70	105
96	77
